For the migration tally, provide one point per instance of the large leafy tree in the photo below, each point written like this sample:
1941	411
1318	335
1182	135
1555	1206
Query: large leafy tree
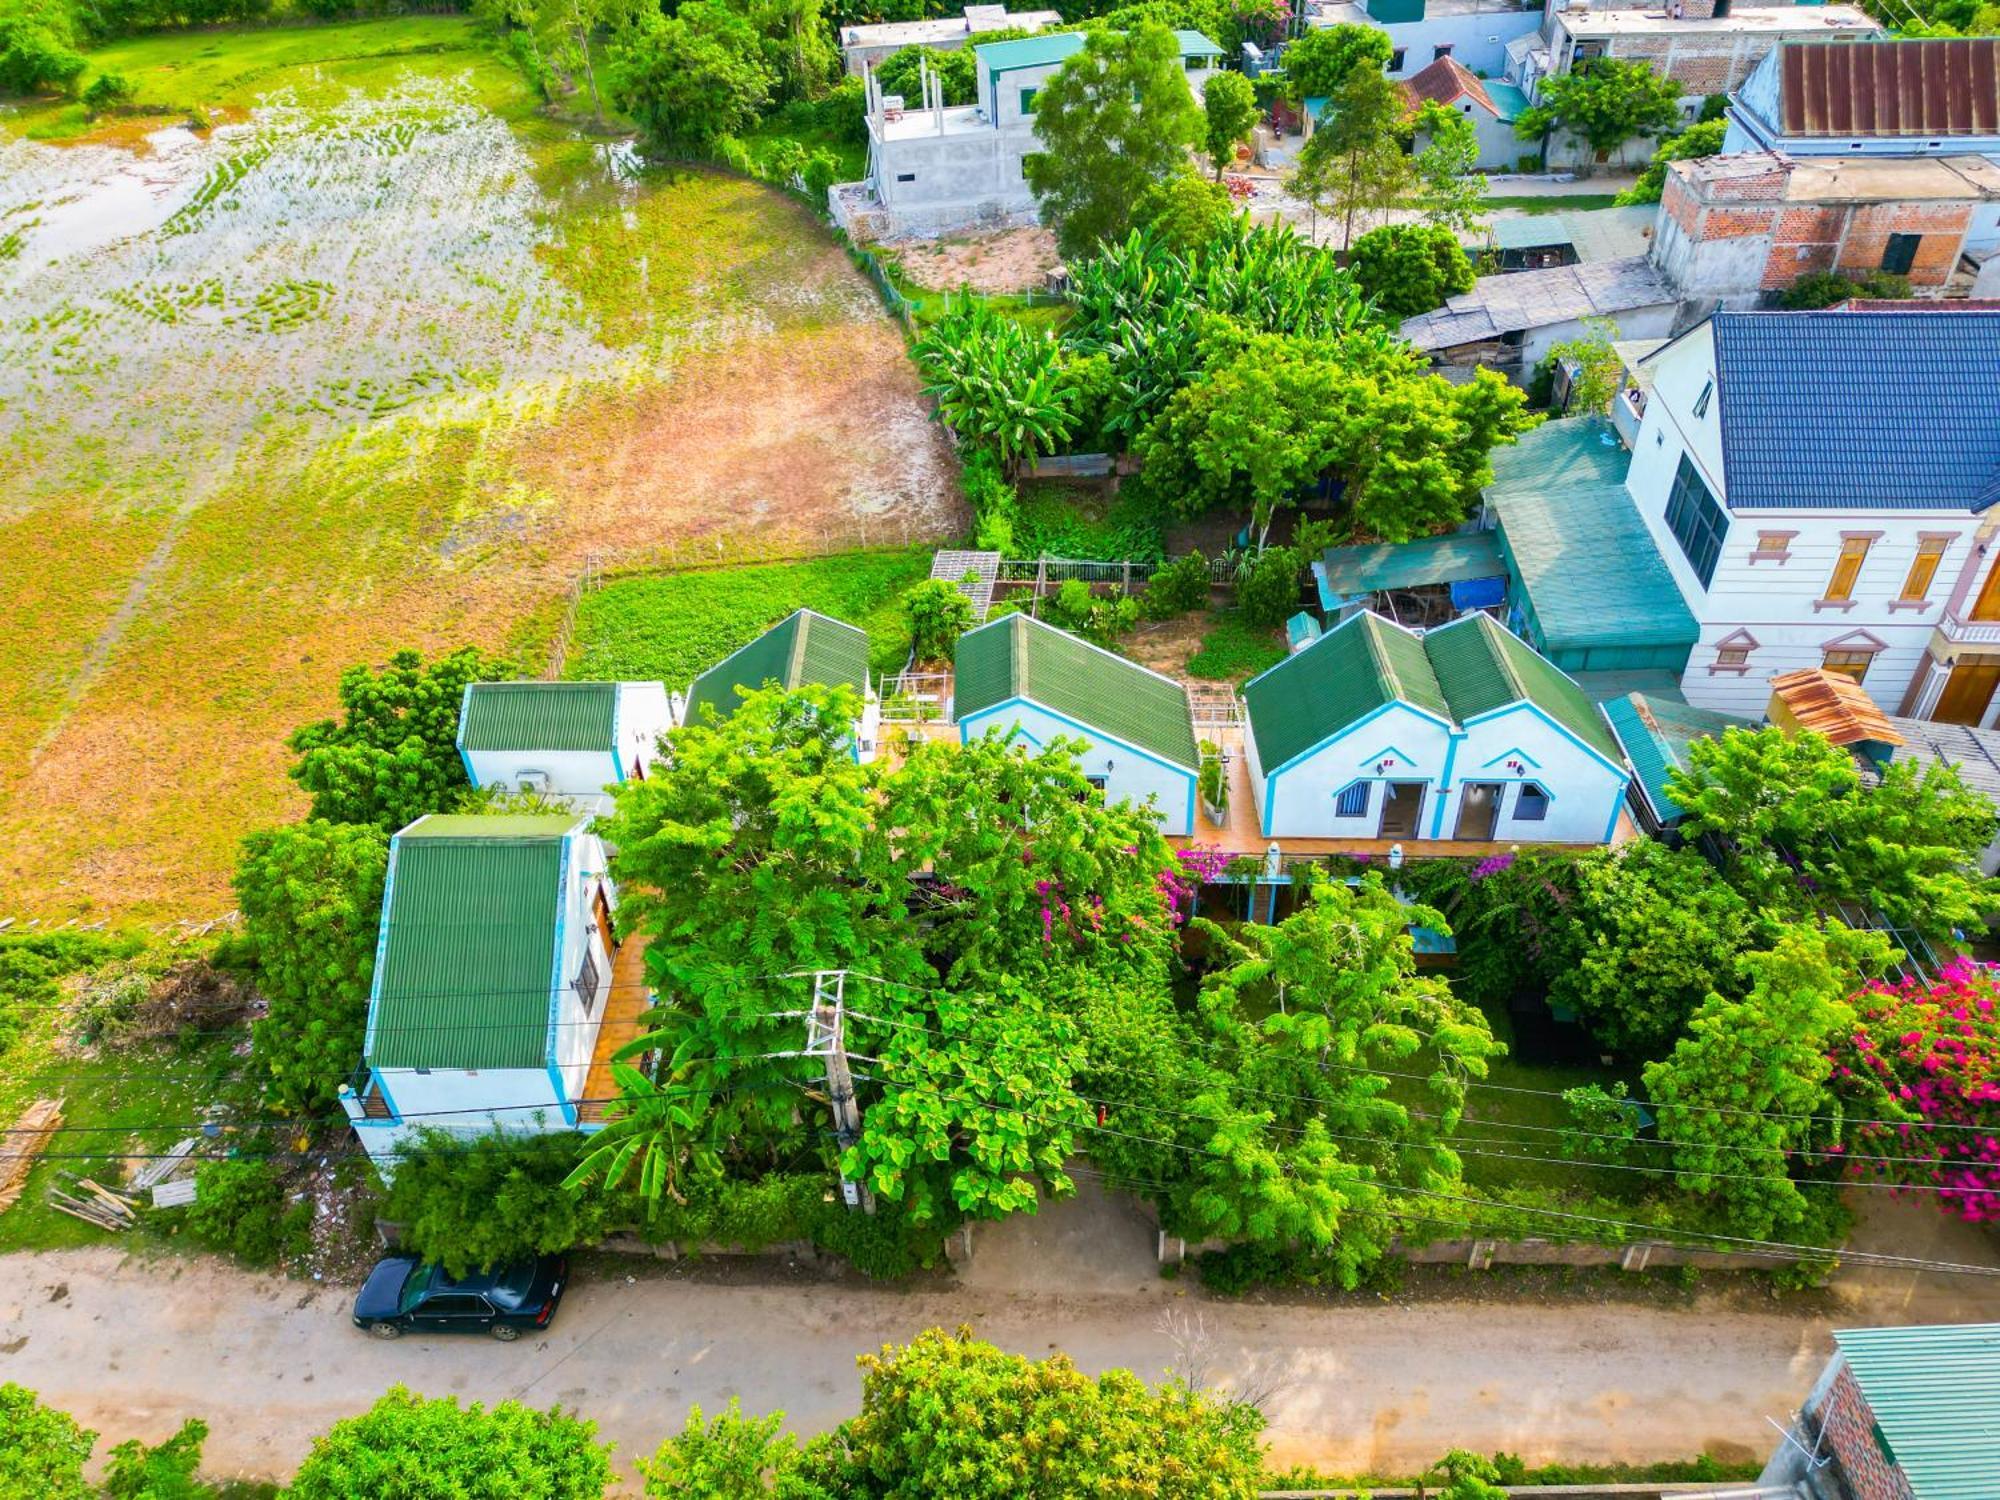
1229	110
1925	1060
1114	119
42	1450
1449	189
1410	268
1653	932
1745	1098
311	898
1411	449
1355	162
1606	102
1703	138
1036	1428
409	1447
691	77
1803	833
392	755
1319	62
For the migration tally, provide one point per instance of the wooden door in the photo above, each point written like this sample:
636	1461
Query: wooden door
1968	693
1987	605
1478	810
601	909
1402	806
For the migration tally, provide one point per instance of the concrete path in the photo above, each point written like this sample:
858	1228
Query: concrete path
132	1347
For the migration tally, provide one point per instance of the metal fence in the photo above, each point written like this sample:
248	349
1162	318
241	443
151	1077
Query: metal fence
916	698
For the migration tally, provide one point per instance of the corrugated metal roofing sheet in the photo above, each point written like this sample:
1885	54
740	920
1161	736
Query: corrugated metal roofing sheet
1976	752
804	647
1347	572
539	716
1935	1393
1585	559
1932	86
469	957
1019	657
1805	422
1830	704
1340	678
1655	734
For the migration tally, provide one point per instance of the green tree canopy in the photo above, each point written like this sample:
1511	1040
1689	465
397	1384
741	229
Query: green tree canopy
691	77
729	1457
1355	162
1229	111
1802	833
1114	119
38	48
1702	139
163	1471
1605	102
939	613
311	898
1042	1428
1319	62
1449	190
1410	268
42	1450
1185	212
410	1447
392	756
473	1203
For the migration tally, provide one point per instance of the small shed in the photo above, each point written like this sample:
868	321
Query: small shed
1424	582
1834	705
1589	589
1531	242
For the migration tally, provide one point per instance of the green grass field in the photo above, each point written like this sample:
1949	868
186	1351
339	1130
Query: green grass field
1553	203
673	627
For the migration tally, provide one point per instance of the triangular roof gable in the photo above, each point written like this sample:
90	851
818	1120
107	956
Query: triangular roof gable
1019	657
1315	695
1485	669
804	647
1446	81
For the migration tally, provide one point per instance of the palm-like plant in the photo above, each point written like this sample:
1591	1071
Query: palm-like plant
652	1140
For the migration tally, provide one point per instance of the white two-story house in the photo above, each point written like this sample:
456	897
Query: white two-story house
1825	489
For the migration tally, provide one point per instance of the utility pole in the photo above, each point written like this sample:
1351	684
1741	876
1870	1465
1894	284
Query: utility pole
826	1036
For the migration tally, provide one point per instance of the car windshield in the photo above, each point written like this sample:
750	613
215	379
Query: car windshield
414	1286
510	1287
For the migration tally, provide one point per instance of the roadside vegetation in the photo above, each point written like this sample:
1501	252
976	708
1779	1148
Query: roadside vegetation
1046	1429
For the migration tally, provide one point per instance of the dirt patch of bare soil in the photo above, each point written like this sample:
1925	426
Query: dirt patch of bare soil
1012	260
1165	645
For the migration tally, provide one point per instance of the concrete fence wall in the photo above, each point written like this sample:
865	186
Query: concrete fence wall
1484	1254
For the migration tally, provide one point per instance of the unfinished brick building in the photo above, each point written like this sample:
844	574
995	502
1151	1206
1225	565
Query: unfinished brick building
1734	227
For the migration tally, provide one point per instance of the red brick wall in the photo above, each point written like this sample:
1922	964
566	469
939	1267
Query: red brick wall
1942	225
1849	1432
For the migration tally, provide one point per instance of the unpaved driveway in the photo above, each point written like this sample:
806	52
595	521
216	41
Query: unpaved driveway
132	1347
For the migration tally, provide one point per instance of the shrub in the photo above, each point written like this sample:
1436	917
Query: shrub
1212	784
1269	594
1410	268
42	1450
1075	608
475	1203
408	1446
36	51
240	1210
107	91
1825	288
1176	588
164	1471
992	499
32	968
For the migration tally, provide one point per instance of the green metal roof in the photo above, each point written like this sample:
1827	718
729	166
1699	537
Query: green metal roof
1339	679
1057	46
539	716
1194	44
1655	734
1348	572
469	945
1482	666
1019	657
1529	232
1573	538
804	647
1935	1395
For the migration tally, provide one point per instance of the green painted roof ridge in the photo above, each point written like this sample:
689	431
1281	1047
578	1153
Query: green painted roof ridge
1018	677
1378	657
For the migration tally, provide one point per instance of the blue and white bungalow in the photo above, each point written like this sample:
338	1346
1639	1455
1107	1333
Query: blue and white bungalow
804	648
561	739
1017	676
1463	733
493	985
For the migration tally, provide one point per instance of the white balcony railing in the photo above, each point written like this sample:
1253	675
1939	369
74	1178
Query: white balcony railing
1969	632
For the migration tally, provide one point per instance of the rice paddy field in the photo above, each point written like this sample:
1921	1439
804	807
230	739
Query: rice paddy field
378	358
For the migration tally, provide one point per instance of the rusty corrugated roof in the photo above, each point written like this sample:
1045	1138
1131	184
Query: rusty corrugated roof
1945	86
1830	704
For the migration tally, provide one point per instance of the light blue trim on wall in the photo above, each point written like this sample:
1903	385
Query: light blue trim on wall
381	951
1017	701
617	705
1560	728
1617	807
382	1088
569	1111
1444	782
550	1055
1385	753
1517	753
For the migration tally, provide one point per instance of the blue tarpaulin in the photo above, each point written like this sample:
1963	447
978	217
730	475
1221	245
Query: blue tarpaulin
1478	593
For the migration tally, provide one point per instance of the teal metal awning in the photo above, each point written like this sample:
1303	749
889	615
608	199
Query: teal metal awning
1348	573
1655	734
1933	1393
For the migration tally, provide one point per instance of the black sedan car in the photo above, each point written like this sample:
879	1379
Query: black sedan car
403	1293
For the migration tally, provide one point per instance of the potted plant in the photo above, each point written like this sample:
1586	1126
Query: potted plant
1212	781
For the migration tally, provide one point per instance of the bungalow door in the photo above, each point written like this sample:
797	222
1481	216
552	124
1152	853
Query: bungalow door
1402	806
1478	810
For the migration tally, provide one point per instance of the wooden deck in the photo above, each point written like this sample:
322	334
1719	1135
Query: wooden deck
1241	834
629	999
